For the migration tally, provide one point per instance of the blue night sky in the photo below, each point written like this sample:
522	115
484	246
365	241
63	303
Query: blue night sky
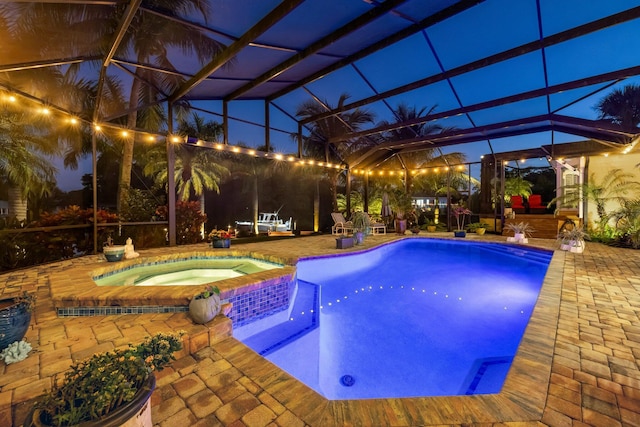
488	28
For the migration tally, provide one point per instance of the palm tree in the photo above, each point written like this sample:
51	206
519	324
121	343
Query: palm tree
428	158
614	187
316	144
25	168
196	168
149	38
621	106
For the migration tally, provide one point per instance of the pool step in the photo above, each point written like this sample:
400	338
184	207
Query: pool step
529	254
299	324
487	375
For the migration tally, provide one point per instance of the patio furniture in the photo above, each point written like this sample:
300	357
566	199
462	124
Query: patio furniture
377	228
340	224
517	205
535	204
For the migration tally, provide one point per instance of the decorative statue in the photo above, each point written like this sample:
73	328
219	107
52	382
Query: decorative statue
129	252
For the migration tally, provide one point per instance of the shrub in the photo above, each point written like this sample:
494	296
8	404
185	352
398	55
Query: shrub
189	221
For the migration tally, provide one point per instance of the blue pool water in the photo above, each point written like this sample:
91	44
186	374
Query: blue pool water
419	317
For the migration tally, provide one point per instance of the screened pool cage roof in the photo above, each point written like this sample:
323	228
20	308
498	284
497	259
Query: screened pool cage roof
497	76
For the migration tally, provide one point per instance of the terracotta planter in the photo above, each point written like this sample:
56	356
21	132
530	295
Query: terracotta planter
205	309
136	413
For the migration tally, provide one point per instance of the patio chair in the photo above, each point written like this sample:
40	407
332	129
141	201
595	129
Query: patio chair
535	204
340	224
377	227
517	205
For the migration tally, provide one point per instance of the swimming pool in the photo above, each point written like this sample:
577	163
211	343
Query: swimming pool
419	317
183	272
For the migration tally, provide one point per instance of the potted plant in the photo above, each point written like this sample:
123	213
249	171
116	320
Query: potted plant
460	212
573	239
402	207
220	239
415	229
205	305
107	389
361	223
431	226
477	227
521	232
15	316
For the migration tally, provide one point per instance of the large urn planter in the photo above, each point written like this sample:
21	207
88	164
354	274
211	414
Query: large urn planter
401	226
15	316
203	310
136	413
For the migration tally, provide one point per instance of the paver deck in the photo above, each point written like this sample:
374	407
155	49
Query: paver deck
577	365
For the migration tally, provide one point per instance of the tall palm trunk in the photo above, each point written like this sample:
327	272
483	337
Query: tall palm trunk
202	230
17	204
127	150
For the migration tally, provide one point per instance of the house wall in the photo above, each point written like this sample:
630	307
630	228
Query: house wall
599	166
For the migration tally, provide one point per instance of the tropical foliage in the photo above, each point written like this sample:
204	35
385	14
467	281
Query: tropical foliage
189	221
316	143
621	106
95	387
21	247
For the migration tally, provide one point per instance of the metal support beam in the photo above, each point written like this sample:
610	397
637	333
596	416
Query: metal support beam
225	121
94	184
563	87
127	17
267	126
329	39
515	52
229	53
437	17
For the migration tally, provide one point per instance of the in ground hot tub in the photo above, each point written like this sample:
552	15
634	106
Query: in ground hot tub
184	272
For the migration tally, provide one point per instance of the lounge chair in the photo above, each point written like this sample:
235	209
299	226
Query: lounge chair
340	224
535	204
377	228
517	205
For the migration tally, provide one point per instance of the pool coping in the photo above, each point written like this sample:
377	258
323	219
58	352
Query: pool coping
522	398
75	286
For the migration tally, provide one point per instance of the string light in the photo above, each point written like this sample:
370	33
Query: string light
127	133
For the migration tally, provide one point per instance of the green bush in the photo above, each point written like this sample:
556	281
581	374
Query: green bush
189	221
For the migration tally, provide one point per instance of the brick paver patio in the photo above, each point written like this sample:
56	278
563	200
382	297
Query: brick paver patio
588	320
